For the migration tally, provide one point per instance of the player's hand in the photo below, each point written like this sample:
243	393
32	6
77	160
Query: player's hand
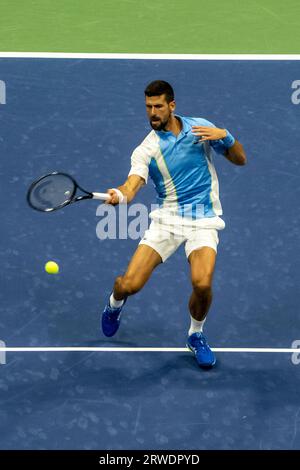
114	197
208	133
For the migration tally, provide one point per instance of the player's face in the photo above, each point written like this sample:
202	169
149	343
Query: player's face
159	111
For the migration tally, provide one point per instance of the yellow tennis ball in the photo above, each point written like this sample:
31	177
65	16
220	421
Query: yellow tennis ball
51	267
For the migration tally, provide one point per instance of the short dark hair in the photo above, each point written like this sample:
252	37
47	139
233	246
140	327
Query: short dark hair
160	87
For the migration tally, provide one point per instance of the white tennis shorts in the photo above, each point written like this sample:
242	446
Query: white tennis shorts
166	235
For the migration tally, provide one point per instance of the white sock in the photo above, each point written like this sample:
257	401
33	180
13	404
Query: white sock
196	326
114	303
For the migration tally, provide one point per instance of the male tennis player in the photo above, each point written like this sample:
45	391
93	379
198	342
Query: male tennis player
177	154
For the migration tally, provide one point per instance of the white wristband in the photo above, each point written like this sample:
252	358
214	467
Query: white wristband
120	195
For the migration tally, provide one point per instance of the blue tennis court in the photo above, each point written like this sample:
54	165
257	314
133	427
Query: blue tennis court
85	117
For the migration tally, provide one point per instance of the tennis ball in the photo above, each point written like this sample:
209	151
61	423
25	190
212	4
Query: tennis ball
51	267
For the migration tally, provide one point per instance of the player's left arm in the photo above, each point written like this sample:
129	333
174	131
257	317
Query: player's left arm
236	154
233	149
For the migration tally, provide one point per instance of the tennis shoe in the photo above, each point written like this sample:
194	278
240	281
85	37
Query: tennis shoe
198	345
111	318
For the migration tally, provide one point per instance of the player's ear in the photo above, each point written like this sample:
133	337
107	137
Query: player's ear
172	106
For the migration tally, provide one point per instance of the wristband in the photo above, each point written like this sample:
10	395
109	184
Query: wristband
120	195
229	140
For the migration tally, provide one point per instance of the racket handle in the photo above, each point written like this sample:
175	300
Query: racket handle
102	196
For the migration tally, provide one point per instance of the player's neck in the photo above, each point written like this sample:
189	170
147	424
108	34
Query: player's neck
174	125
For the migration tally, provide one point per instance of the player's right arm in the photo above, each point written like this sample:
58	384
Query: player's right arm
138	175
129	190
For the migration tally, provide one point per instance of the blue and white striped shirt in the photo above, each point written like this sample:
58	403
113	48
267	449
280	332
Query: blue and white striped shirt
181	169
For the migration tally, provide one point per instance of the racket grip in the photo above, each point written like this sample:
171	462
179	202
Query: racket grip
102	196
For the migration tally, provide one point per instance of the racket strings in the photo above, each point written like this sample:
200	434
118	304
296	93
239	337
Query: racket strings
52	192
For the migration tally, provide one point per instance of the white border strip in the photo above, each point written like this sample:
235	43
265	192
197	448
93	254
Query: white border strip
112	349
78	55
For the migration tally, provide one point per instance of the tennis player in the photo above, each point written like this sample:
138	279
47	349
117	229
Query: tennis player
178	156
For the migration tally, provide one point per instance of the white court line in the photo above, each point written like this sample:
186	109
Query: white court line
78	55
114	349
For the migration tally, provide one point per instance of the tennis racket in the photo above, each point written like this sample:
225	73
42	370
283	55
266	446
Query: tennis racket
56	190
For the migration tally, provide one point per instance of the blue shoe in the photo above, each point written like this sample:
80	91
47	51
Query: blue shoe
111	318
198	345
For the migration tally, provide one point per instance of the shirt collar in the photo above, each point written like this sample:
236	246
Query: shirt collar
185	128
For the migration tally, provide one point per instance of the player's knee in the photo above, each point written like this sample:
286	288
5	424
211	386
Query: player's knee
129	285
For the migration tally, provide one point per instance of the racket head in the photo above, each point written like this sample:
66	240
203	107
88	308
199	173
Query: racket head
51	192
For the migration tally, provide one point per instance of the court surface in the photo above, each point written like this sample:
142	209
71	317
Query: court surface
85	116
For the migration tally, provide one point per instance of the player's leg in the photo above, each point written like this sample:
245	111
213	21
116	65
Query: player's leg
202	264
141	265
143	262
156	246
201	250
